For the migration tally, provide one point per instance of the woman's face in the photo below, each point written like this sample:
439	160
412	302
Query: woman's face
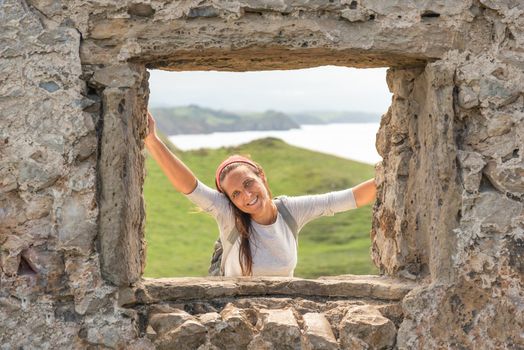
246	189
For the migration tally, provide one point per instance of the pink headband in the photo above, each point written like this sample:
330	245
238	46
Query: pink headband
231	160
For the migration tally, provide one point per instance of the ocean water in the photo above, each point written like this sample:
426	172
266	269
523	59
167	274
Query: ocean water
354	141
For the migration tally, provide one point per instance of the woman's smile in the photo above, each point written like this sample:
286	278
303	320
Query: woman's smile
254	201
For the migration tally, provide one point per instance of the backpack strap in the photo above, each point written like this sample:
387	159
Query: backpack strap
214	267
226	247
286	215
234	234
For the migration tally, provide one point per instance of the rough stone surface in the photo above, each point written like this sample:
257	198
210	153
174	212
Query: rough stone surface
317	332
50	279
280	324
164	322
152	291
121	168
255	322
237	328
450	206
367	324
407	237
189	335
483	289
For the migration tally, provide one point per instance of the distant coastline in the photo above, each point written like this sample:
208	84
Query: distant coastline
194	119
354	141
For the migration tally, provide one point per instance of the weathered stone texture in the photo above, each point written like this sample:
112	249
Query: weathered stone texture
450	208
152	291
317	332
453	209
254	322
121	170
417	142
52	293
360	33
367	324
487	273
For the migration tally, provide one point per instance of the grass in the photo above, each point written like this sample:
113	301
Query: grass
180	238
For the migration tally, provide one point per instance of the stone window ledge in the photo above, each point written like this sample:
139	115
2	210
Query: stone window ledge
154	290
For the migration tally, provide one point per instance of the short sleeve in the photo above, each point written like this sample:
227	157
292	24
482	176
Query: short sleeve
307	208
213	202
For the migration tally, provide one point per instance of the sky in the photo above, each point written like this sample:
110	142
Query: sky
321	88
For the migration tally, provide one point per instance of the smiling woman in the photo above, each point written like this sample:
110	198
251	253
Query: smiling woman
257	239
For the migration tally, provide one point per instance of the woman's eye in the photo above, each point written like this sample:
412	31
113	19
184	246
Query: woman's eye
234	195
249	183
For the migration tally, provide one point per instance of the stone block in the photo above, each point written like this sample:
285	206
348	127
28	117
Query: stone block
35	176
317	333
7	179
497	92
392	311
491	212
259	343
210	319
151	334
10	304
353	343
165	322
126	296
188	336
507	176
355	15
116	76
186	288
10	254
140	344
121	169
77	223
235	331
280	328
367	324
468	98
472	165
90	295
12	212
39	206
90	302
107	332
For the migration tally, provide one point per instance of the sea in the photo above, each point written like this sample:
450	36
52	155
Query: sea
355	141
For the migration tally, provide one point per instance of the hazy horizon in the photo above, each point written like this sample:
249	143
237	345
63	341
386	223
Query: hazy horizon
262	111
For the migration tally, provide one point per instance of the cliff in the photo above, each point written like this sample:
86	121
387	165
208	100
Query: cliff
198	120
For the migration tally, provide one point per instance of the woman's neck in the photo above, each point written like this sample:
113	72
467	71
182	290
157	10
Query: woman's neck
268	216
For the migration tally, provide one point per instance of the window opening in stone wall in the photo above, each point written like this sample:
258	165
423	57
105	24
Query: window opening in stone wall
313	131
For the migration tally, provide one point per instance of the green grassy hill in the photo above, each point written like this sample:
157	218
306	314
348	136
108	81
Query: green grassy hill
180	238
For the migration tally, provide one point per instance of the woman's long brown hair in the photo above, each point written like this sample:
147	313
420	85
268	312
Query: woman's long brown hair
243	220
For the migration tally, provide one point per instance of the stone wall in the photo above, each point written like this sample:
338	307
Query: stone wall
449	214
354	312
482	293
453	210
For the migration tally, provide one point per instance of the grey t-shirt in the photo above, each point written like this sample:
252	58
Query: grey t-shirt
273	247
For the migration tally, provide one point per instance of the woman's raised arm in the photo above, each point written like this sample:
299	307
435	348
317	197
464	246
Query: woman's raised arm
365	193
177	172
